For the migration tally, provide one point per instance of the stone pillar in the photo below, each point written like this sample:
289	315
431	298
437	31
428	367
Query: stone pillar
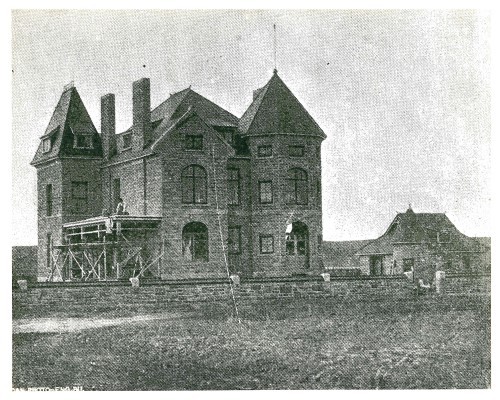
440	282
134	282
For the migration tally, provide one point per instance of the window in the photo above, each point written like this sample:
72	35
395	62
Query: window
266	192
47	144
48	199
318	152
83	141
376	265
408	264
265	151
193	142
296	151
194	185
127	141
195	242
79	197
297	240
116	192
48	249
444	237
234	240
297	186
233	186
266	244
467	264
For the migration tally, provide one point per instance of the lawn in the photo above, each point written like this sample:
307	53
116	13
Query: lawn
424	342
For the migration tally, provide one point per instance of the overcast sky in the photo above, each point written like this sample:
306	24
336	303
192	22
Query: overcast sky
403	96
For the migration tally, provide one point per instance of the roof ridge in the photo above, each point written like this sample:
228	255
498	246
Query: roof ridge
261	95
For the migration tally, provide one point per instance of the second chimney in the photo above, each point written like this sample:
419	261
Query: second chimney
108	125
141	112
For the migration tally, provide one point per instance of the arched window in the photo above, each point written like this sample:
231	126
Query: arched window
194	185
296	186
195	242
297	241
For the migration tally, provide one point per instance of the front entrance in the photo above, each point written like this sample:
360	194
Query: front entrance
297	246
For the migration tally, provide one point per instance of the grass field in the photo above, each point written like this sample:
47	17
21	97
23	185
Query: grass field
425	342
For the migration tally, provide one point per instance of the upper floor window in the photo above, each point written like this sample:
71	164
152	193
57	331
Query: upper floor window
82	140
296	151
194	185
193	142
266	192
297	186
233	186
127	141
79	197
47	145
234	240
265	151
48	199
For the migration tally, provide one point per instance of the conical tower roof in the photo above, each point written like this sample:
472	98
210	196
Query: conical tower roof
275	109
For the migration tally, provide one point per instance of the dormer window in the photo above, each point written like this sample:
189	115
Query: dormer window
47	145
82	140
127	141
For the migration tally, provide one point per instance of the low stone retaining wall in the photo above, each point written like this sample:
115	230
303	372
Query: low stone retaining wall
154	296
467	284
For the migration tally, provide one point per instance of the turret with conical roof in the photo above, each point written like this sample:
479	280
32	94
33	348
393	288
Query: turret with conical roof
285	150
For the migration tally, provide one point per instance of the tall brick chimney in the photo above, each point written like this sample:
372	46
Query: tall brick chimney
141	100
108	125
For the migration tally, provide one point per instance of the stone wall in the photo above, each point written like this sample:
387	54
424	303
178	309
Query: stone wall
467	284
43	299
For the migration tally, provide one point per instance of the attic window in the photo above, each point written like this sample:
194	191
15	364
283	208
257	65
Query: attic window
127	141
83	141
47	145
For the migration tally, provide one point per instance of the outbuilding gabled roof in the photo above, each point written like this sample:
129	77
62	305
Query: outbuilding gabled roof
70	117
410	227
275	109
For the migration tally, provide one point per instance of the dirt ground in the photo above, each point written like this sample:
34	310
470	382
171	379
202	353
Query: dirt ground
428	342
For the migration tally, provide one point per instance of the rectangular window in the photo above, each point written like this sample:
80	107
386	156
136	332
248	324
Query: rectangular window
83	141
46	145
266	192
49	251
127	141
266	244
234	240
233	186
296	151
408	264
193	142
48	199
116	192
265	151
467	264
79	197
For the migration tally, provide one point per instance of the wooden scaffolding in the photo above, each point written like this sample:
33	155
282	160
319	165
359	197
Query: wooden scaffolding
108	248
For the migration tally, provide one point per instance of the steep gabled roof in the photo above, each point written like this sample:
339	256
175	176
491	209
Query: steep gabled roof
173	111
275	109
70	117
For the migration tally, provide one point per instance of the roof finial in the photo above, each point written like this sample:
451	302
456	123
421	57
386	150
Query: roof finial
69	85
275	71
409	208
